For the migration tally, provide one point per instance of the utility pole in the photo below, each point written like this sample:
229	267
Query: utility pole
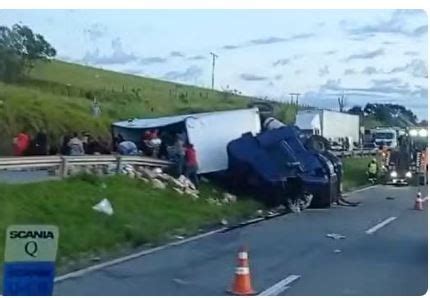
214	56
297	97
342	102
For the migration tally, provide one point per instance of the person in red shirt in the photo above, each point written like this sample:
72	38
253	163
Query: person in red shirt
191	164
21	144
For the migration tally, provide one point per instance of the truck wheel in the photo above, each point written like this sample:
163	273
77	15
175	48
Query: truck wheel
293	205
299	203
319	202
317	143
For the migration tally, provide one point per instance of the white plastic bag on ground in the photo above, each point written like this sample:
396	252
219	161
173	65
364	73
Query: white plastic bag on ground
335	236
104	206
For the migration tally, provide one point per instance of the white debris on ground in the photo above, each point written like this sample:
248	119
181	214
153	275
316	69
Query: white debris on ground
158	184
182	185
337	251
104	206
335	236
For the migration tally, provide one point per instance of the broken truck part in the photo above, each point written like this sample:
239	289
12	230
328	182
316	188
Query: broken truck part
283	166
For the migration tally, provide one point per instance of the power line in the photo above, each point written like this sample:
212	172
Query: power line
214	56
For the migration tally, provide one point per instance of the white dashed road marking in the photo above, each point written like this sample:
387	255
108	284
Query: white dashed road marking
279	287
380	225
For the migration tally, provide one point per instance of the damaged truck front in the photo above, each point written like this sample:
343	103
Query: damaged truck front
281	166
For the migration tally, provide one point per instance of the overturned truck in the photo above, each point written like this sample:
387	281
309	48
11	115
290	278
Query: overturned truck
283	166
252	152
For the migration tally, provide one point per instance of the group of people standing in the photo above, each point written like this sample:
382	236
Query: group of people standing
164	145
25	144
75	144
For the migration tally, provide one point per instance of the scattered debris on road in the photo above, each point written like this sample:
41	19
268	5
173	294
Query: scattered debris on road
335	236
180	281
337	251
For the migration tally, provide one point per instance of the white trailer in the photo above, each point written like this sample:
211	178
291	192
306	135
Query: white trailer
329	124
208	132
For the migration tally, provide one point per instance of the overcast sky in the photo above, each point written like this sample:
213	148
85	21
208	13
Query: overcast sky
371	55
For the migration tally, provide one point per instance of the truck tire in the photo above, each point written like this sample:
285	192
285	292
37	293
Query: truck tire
317	143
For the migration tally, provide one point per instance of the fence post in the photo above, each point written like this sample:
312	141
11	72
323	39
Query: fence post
63	167
118	164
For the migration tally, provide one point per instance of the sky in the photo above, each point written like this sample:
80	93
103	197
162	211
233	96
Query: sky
377	56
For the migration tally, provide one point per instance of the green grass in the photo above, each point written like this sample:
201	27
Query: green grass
142	214
355	172
57	96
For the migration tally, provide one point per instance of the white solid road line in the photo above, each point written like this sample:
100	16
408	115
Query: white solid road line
362	189
83	271
380	225
279	287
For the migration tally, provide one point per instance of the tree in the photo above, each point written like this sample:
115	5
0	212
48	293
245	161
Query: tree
355	110
423	123
19	49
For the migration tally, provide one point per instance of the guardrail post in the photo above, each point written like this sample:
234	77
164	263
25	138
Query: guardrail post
63	167
118	164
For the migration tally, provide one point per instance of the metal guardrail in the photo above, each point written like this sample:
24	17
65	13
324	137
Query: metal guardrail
355	153
63	162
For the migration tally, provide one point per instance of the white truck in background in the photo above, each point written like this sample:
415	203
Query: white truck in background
385	136
332	125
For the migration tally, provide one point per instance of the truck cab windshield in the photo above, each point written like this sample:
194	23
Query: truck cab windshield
384	135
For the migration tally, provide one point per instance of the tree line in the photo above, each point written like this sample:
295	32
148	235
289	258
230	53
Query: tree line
390	114
20	48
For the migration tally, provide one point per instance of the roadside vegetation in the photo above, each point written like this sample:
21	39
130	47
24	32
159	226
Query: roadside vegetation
355	172
142	215
39	92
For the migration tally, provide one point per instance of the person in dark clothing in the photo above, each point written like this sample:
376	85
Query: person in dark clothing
191	165
103	146
116	141
92	146
40	144
65	145
179	155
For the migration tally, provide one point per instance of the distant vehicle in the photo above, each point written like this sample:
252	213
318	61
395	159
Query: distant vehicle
385	137
408	163
370	146
331	125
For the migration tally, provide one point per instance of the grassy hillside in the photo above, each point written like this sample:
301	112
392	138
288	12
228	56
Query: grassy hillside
57	96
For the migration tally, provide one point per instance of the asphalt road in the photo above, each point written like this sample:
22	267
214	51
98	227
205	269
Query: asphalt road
27	176
390	261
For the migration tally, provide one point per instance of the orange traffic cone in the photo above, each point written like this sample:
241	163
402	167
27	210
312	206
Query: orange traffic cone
419	202
242	280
